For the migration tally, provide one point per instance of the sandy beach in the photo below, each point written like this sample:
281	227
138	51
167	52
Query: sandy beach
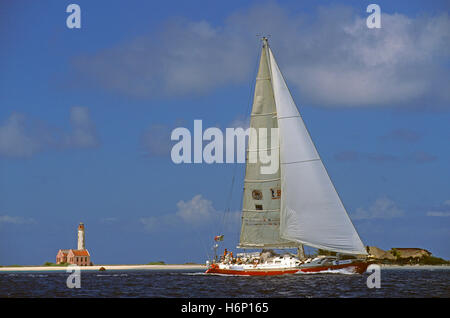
107	267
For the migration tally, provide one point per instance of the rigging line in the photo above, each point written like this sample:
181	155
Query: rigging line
202	242
300	161
247	115
230	195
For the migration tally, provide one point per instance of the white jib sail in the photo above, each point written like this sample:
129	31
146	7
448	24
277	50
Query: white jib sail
311	210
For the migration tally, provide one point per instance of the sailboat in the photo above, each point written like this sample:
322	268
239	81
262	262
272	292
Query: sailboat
297	205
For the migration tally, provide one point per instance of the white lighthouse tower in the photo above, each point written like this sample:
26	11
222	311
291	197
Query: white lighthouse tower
81	245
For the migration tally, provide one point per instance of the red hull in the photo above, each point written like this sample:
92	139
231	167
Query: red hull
256	272
359	268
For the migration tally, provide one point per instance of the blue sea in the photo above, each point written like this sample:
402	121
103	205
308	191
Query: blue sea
394	283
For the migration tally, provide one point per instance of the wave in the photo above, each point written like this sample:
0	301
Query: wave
345	271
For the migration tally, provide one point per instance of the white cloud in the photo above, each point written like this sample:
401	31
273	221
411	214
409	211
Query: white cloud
15	139
185	58
195	213
109	220
438	213
382	208
240	122
419	157
21	136
152	223
83	133
441	211
155	141
15	220
360	66
330	57
403	135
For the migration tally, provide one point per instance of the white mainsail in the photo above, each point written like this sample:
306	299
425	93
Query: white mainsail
261	201
311	211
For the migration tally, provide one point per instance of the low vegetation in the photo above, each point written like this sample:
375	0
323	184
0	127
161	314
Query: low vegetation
53	264
424	260
157	263
14	265
395	253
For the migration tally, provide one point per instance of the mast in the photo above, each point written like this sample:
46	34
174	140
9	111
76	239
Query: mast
300	252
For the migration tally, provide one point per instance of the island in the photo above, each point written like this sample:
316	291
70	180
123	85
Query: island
404	256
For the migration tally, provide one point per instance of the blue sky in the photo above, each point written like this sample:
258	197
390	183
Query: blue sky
85	118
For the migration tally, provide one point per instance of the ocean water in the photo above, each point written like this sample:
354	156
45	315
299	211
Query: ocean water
404	283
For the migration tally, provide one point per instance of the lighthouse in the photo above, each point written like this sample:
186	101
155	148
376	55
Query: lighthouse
80	256
81	245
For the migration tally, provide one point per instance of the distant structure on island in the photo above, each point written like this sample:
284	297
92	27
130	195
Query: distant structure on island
397	253
80	256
